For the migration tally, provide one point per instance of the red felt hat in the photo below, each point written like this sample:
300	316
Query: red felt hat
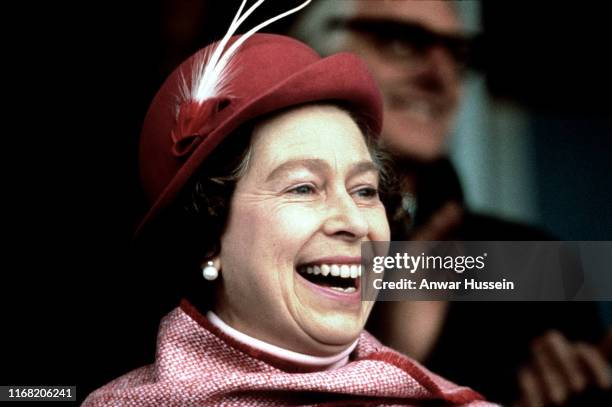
267	73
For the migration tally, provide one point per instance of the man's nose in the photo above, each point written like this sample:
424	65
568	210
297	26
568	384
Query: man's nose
437	71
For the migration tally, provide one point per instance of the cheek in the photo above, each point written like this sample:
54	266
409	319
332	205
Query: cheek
293	225
379	225
379	66
276	233
386	75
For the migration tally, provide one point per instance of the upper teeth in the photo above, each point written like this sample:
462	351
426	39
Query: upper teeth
336	270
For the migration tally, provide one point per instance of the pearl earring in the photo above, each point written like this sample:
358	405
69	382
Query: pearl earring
210	272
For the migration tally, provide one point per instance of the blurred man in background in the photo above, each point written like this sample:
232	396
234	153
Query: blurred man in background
418	52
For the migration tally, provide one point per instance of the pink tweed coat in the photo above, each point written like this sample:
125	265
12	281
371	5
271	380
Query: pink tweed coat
198	365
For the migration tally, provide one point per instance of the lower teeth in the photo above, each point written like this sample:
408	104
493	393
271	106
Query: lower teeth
344	290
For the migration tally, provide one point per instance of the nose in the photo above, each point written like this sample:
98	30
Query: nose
438	71
345	219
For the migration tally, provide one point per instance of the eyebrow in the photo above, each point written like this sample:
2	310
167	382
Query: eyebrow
318	165
393	28
363	167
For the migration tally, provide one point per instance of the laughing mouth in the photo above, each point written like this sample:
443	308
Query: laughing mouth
339	277
417	107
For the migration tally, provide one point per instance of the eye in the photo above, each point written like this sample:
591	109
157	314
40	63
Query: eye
305	189
367	192
401	49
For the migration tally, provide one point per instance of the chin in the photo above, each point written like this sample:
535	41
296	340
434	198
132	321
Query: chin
420	141
327	309
421	147
333	332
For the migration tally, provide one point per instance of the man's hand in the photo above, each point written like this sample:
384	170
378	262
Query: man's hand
560	369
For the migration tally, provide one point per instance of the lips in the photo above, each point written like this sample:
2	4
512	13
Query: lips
419	105
335	276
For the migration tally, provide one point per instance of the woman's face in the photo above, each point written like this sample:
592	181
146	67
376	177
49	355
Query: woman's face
305	204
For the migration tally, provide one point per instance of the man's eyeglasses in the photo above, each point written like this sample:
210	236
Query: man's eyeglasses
406	42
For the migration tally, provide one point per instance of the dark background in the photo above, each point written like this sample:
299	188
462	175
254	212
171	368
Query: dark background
75	309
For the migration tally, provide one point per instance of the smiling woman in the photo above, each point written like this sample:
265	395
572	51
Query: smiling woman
309	198
270	186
